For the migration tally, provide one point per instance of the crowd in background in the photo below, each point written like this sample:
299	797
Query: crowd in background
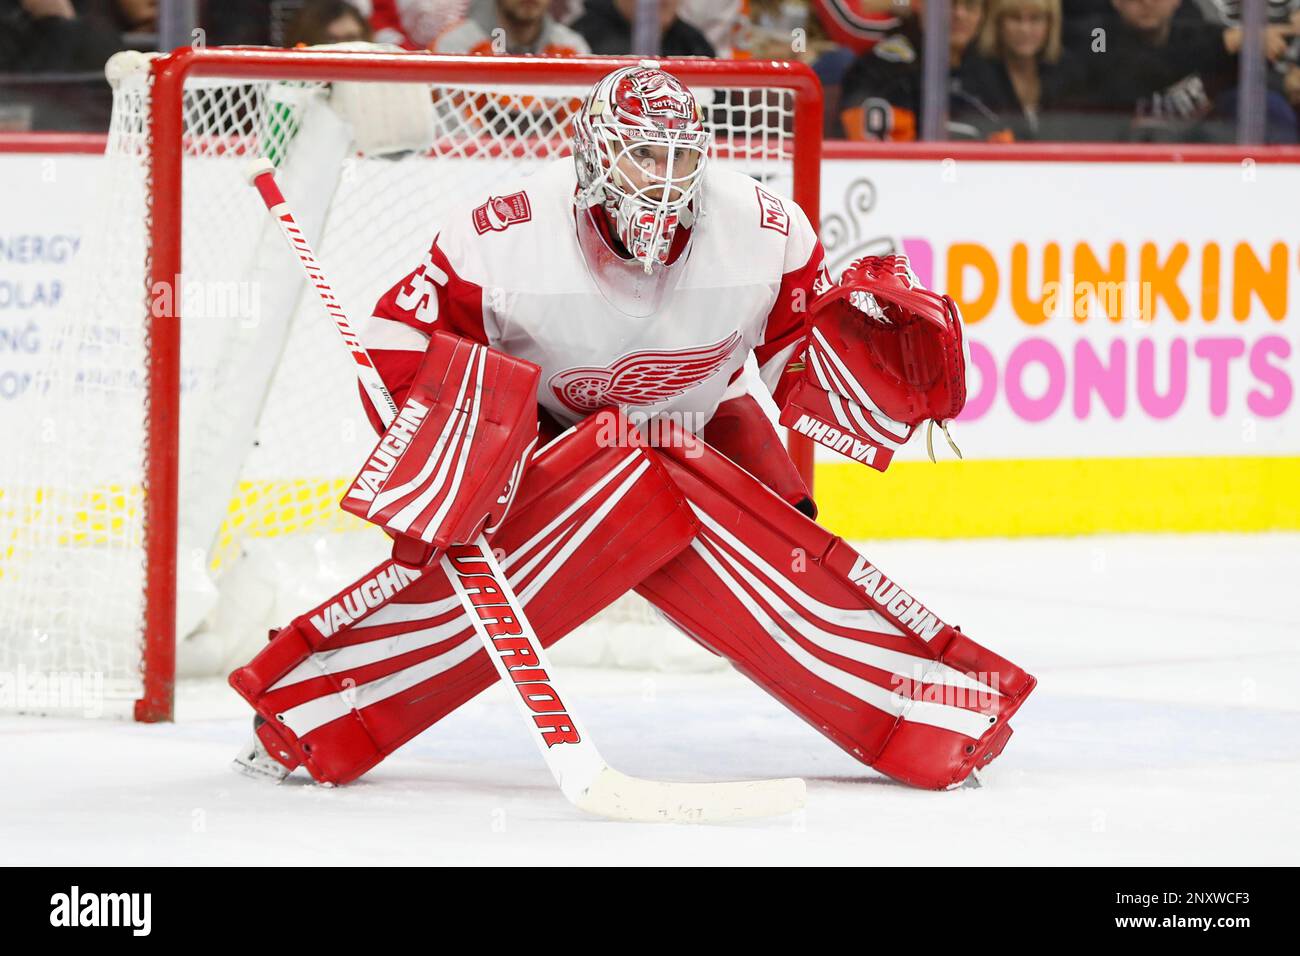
1081	70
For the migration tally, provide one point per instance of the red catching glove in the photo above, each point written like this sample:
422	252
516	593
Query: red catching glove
883	355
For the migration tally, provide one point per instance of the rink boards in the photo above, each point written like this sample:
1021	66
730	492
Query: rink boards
1131	317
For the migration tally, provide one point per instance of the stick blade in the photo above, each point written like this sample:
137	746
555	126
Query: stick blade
617	796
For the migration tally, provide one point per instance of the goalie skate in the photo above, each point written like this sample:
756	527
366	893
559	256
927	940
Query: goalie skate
255	761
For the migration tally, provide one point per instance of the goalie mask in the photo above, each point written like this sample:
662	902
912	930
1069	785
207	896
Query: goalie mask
640	147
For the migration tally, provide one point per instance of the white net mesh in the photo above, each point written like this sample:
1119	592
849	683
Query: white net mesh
271	427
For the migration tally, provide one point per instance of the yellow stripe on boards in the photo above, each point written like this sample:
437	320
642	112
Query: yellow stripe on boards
951	499
962	499
273	508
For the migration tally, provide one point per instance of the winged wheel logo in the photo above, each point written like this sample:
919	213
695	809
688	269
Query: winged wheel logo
641	378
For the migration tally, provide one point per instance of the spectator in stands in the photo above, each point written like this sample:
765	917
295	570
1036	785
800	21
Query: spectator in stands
607	27
1148	75
830	61
760	29
510	26
55	36
136	16
881	96
414	24
1020	71
269	22
860	24
1291	87
1280	101
1081	16
793	30
724	23
327	21
239	23
1289	65
781	30
48	37
566	11
1280	12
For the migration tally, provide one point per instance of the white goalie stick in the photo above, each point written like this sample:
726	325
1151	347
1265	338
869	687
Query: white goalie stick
583	776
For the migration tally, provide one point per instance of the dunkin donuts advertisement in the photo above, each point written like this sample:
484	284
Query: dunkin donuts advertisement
1132	330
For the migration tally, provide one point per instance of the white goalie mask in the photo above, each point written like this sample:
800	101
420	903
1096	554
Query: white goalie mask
640	146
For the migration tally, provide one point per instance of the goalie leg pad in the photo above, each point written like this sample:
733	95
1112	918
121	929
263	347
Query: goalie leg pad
741	430
350	681
823	630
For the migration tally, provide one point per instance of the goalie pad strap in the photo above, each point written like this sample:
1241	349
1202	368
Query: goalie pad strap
349	681
821	628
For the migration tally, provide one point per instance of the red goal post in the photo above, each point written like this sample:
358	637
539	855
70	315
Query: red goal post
801	144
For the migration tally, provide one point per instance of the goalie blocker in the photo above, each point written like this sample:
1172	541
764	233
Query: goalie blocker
447	467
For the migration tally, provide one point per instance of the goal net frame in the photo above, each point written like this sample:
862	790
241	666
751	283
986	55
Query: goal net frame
165	185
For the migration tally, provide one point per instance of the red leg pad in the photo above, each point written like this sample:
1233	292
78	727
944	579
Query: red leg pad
741	430
819	627
348	682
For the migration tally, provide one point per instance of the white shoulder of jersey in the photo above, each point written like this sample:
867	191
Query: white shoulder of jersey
758	216
516	216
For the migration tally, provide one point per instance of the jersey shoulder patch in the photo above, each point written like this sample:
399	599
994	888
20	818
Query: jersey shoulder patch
772	213
501	212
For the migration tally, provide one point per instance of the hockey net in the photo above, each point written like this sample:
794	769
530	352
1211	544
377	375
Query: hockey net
178	468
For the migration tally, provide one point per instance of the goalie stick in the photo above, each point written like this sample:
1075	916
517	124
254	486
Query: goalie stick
582	774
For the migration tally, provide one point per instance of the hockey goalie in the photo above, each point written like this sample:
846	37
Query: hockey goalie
568	360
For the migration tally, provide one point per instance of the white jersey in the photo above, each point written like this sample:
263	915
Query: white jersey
509	271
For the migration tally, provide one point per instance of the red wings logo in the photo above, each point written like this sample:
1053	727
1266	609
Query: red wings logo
641	378
501	212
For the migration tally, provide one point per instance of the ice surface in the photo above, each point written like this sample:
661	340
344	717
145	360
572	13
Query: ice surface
1165	729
